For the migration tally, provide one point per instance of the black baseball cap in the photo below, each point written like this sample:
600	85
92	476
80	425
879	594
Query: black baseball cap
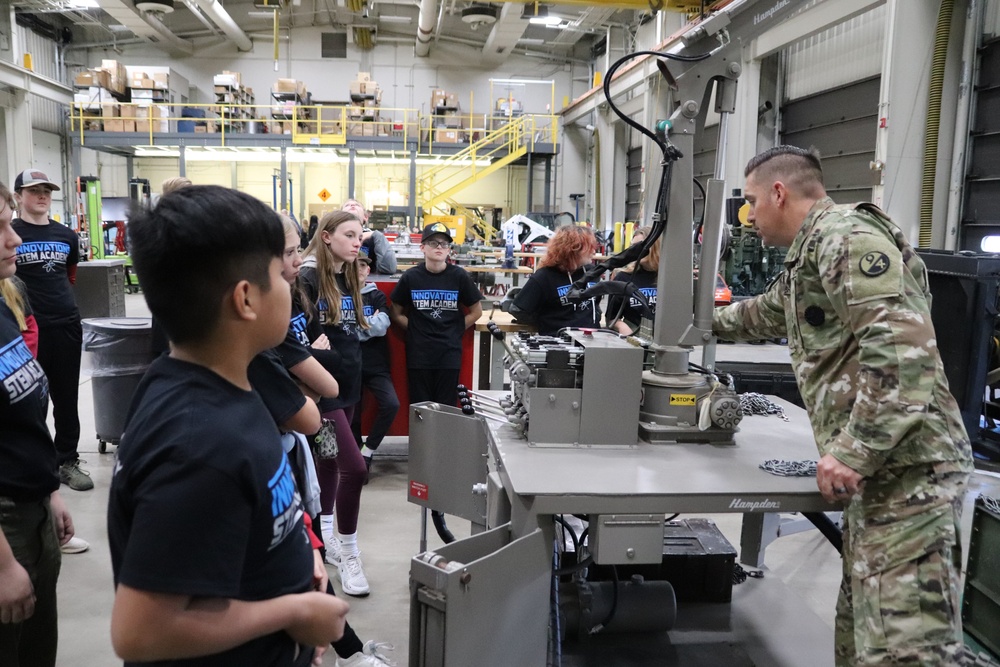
433	229
30	177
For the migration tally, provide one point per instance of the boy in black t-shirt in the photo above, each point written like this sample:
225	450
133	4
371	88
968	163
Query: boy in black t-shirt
46	262
211	561
427	304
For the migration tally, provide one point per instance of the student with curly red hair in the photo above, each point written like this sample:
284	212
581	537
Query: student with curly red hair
543	301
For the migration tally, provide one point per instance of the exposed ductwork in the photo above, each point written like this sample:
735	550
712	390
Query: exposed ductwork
426	26
147	27
507	31
217	14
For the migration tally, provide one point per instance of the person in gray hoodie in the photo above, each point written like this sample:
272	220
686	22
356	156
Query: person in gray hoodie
375	369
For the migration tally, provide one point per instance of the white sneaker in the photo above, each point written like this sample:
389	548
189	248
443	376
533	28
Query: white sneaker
352	576
75	545
332	550
370	656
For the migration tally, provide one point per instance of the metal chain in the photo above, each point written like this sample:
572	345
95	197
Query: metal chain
990	503
789	468
753	403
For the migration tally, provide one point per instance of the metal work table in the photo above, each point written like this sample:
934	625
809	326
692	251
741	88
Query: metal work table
667	478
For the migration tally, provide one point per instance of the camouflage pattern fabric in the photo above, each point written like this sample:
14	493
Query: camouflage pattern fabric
899	610
854	303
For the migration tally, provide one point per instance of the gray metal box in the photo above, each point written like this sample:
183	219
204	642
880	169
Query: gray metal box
626	539
100	288
448	453
484	581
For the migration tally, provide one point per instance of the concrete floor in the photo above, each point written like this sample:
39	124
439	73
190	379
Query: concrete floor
780	619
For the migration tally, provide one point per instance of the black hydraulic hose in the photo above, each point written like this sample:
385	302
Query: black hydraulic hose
829	529
614	604
572	533
441	527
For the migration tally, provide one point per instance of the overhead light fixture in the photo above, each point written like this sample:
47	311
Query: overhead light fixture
477	15
155	6
538	14
83	4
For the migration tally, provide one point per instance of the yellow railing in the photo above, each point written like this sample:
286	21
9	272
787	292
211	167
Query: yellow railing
490	136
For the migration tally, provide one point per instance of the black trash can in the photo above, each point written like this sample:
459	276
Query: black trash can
117	352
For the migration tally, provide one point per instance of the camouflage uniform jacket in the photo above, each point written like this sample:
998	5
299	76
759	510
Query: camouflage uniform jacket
854	303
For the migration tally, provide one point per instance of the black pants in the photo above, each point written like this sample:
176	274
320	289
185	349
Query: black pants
59	349
379	384
433	384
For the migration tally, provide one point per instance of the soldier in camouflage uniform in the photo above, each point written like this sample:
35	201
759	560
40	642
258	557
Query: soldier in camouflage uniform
854	303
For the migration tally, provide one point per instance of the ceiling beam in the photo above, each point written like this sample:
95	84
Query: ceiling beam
19	78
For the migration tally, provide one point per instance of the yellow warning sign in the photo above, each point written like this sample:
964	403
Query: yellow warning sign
682	399
324	194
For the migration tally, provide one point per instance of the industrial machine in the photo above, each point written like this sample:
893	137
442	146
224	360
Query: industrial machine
568	478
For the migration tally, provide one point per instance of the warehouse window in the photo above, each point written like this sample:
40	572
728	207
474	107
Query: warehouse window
333	45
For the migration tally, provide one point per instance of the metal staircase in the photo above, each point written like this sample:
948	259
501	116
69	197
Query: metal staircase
438	185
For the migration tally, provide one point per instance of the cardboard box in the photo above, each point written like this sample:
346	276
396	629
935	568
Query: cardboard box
227	78
110	110
93	77
143	94
286	86
128	110
446	136
115	125
117	75
359	88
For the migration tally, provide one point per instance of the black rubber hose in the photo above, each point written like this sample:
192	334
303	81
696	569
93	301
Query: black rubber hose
829	529
441	527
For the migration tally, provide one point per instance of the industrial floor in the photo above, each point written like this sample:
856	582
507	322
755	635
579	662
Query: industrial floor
784	618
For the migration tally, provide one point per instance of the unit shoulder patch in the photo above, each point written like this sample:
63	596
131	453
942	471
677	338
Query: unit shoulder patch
874	264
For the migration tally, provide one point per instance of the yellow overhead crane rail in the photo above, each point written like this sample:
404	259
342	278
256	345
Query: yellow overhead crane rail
651	5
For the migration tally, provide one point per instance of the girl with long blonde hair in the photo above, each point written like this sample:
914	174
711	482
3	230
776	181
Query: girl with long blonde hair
330	280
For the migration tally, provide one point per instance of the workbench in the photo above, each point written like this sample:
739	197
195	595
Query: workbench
689	478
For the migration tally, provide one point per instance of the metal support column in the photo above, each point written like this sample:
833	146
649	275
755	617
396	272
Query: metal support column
413	187
129	168
531	184
301	217
352	154
284	178
181	161
548	184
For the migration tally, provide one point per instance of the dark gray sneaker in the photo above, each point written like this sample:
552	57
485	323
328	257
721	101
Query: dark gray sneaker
75	477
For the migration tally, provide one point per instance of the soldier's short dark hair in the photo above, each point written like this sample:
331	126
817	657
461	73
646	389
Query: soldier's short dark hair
799	168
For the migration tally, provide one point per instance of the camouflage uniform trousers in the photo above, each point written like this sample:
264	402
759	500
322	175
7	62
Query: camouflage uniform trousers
899	595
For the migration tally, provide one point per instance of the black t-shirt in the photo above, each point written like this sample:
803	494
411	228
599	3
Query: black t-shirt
27	454
646	282
544	298
375	350
436	322
203	501
42	258
279	392
343	336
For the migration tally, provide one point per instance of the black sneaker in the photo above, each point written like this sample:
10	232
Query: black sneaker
72	475
368	467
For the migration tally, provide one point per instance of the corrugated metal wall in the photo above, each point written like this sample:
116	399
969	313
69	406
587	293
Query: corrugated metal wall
45	114
846	53
991	19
